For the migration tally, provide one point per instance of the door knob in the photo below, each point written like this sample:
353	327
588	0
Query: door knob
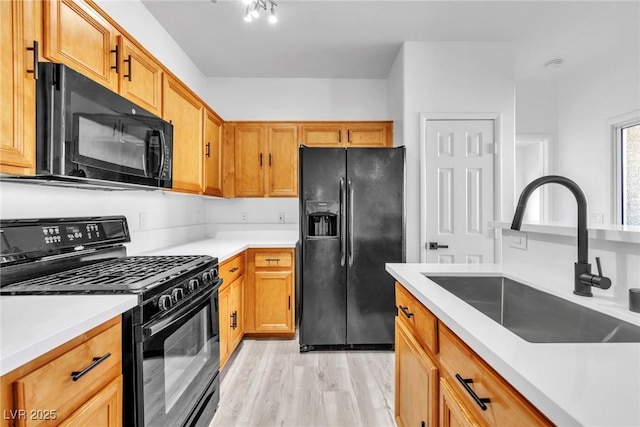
435	246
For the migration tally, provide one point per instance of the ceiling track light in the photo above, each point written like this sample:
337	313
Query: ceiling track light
254	7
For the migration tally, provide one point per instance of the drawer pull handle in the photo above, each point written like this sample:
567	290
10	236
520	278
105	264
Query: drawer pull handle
479	400
233	270
76	375
272	259
406	311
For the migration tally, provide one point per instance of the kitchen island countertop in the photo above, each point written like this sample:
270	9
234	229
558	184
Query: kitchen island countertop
572	384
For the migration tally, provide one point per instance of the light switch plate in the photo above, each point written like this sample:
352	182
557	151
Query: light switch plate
518	240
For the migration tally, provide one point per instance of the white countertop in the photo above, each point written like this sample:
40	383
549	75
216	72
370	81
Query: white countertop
572	384
614	233
226	244
33	325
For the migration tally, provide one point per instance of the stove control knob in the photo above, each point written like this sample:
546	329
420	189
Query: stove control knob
165	302
177	294
194	285
213	272
206	277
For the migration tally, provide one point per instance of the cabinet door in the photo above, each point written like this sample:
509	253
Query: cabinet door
184	111
416	382
224	317
104	409
453	412
273	301
237	301
76	35
322	135
212	154
141	77
283	161
249	161
374	134
17	87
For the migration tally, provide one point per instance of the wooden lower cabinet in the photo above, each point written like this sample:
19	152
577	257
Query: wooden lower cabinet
104	409
416	382
453	412
269	292
428	354
44	393
231	303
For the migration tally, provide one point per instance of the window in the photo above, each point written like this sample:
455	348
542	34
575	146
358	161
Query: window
628	147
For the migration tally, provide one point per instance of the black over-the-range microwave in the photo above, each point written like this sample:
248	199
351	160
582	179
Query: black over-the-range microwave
88	134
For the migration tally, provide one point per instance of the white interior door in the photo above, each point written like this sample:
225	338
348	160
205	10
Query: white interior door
459	191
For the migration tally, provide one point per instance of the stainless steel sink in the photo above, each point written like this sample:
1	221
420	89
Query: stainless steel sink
534	315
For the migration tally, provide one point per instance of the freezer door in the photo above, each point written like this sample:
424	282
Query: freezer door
323	289
375	217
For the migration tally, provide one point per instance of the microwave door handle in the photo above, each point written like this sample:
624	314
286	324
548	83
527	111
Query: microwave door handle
162	142
144	159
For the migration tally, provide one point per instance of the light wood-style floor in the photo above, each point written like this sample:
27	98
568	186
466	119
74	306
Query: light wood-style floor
270	383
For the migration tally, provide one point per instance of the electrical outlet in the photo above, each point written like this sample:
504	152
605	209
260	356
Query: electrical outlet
143	220
281	217
518	240
243	217
597	218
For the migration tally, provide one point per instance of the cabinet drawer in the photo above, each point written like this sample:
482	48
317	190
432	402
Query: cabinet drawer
52	386
231	269
273	259
422	322
505	407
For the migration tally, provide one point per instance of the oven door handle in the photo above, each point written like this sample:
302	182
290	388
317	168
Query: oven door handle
173	318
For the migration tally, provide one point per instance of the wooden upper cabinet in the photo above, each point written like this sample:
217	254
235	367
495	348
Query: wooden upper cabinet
212	181
185	112
374	134
347	134
321	135
140	76
78	36
18	86
249	160
283	161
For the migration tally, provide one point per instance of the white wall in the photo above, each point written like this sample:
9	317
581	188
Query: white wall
536	107
607	87
549	262
297	99
172	218
456	77
395	95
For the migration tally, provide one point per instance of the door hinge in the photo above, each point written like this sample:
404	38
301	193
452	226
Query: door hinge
492	148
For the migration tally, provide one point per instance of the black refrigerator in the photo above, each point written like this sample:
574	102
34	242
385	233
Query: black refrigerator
351	224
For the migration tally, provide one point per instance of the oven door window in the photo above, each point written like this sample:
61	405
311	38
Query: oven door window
179	362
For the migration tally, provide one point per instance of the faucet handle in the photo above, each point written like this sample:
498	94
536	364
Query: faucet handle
599	266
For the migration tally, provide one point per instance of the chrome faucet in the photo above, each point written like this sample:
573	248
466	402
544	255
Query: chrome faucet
584	280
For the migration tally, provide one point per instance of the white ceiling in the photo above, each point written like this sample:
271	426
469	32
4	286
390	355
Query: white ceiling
360	39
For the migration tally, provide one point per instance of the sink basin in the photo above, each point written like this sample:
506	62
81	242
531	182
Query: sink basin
534	315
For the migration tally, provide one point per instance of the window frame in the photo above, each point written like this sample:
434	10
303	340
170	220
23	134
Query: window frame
616	126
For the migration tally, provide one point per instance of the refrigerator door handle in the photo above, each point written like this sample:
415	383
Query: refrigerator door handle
343	223
350	191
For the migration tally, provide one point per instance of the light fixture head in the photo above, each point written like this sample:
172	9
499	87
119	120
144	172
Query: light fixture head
247	16
254	6
273	18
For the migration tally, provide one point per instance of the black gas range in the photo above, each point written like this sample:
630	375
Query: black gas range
170	339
